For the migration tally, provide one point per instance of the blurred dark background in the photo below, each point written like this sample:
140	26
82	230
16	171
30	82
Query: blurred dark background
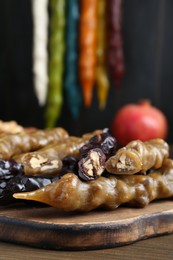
148	49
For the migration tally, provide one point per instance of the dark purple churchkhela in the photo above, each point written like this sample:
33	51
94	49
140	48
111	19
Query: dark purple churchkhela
106	142
12	179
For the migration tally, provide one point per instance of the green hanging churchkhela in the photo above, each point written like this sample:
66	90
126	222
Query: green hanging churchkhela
56	61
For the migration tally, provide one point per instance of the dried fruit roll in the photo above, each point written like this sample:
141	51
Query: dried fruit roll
70	193
138	156
101	71
10	127
115	56
25	142
87	46
71	82
92	166
102	140
40	53
94	155
48	160
20	183
56	61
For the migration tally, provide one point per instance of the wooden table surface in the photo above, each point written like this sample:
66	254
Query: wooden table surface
152	248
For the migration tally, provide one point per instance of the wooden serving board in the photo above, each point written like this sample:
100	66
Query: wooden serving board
45	227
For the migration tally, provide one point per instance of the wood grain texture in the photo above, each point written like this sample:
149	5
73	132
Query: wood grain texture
159	248
45	227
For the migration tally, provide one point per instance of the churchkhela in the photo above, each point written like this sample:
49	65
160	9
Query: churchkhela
48	160
13	144
87	48
138	156
71	194
102	80
71	81
56	61
83	175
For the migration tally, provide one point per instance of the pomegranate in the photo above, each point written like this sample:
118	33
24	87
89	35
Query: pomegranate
139	121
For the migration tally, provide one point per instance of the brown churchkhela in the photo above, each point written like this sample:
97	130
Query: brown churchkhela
12	144
70	193
10	127
138	156
48	160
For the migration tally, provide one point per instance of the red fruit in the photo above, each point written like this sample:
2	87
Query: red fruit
139	121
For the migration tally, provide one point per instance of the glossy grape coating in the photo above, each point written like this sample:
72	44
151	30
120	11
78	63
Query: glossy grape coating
70	164
104	141
94	155
20	183
12	179
9	168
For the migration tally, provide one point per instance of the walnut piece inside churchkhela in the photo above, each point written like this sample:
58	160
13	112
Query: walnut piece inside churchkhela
12	179
92	166
138	156
69	193
48	160
94	155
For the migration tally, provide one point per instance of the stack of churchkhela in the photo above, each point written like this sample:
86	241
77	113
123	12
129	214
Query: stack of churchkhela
83	173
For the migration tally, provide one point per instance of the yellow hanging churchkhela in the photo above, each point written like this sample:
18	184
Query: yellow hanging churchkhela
87	48
101	72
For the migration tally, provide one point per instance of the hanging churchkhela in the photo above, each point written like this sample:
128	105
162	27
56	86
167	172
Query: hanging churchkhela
115	56
102	80
40	54
71	83
87	48
84	45
56	61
